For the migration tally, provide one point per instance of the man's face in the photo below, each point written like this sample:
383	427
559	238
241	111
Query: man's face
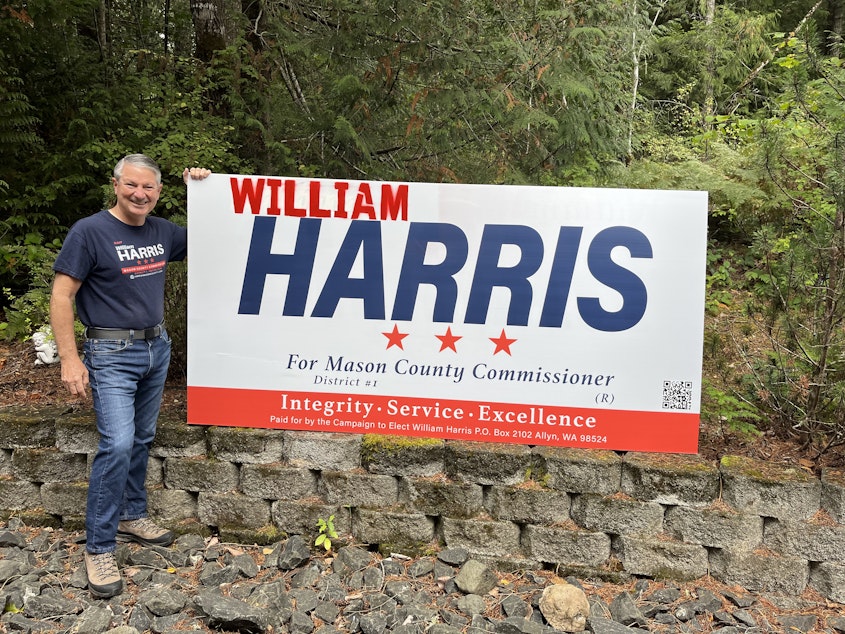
137	193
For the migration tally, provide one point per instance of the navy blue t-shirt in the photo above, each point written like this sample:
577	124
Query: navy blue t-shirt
121	268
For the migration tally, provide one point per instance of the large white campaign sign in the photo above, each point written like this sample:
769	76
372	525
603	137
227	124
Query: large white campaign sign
536	315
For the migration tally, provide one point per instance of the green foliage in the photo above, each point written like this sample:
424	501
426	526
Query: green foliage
17	119
798	282
176	318
327	533
38	162
488	92
58	171
64	128
721	410
720	277
692	59
30	309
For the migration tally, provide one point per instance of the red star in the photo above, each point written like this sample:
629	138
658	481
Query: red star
503	344
394	338
448	340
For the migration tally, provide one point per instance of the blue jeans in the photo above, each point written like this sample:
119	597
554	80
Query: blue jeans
127	380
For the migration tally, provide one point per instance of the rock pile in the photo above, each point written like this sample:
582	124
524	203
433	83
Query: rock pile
200	584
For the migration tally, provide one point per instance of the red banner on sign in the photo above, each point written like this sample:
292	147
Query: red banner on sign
450	419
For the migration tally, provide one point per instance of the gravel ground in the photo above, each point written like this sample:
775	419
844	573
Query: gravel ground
202	584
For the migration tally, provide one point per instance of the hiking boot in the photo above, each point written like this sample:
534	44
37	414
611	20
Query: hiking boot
103	576
145	531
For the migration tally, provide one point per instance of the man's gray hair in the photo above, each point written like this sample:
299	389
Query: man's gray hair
138	160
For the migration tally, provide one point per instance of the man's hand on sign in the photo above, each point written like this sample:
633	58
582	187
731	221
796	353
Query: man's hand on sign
195	173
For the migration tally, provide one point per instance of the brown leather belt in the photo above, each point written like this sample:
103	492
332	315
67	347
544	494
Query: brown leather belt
118	333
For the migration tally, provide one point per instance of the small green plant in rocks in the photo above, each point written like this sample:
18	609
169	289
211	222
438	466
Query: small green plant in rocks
327	533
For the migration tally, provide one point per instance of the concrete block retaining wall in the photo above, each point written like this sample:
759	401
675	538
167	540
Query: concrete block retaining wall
764	526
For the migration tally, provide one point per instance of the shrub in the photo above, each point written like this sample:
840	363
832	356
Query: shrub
29	309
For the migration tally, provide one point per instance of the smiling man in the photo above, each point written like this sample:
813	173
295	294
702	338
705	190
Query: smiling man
112	267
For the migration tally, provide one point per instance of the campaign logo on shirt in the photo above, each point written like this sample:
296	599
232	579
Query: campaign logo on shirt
141	261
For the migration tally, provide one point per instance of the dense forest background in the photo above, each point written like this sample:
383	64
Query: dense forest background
745	100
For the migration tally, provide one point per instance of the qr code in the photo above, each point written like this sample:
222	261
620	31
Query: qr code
677	394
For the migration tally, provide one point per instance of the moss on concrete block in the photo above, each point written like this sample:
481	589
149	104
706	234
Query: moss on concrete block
232	511
717	527
73	522
661	558
434	496
197	474
299	517
76	432
762	471
617	515
482	537
581	470
758	572
833	493
408	533
528	504
769	489
19	495
402	455
607	573
173	504
246	445
488	463
277	481
566	545
176	439
323	450
48	465
29	426
191	526
358	489
37	517
264	536
670	478
65	498
5	462
829	580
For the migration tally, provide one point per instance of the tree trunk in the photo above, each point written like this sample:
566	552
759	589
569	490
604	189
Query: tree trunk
209	26
166	28
637	47
710	71
836	9
252	11
102	32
